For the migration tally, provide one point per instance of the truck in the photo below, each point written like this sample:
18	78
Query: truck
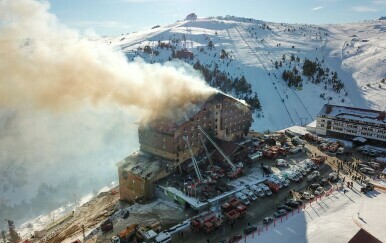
148	232
107	226
236	213
318	160
311	137
236	173
233	209
125	235
207	222
230	204
273	186
297	141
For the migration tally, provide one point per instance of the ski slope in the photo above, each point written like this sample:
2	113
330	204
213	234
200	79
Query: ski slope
254	50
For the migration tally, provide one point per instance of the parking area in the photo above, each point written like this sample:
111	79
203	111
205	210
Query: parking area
345	165
286	174
263	206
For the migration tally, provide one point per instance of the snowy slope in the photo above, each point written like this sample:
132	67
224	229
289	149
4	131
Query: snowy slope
254	48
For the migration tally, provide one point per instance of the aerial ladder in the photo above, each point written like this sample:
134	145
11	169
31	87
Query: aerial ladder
235	170
194	161
206	150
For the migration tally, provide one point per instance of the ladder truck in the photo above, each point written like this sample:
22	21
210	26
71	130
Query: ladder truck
194	161
235	171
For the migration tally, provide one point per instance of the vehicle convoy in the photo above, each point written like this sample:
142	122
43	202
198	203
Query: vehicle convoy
207	222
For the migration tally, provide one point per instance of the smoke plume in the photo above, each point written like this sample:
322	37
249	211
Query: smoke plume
68	107
46	65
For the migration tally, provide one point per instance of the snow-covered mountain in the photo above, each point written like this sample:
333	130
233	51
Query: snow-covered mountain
350	54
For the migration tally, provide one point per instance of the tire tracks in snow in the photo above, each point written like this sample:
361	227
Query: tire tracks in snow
266	70
274	58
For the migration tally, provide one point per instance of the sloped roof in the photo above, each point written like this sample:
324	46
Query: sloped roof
143	164
362	236
354	113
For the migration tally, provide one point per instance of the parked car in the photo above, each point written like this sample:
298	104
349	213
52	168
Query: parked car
267	220
281	162
276	181
307	195
250	229
257	190
265	189
283	181
314	186
297	141
235	238
298	173
292	204
242	198
319	191
367	170
369	187
333	177
313	176
291	176
296	149
251	196
323	182
300	202
279	213
310	163
285	207
267	169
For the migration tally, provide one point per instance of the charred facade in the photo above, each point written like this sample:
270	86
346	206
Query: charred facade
222	116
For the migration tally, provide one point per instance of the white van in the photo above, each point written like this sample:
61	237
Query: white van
281	162
242	198
251	196
265	189
163	237
257	190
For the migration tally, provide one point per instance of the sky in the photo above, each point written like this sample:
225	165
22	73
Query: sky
116	17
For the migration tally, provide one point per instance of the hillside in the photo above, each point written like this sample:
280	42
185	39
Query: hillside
349	62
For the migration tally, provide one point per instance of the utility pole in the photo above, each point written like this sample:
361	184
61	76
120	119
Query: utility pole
84	236
3	234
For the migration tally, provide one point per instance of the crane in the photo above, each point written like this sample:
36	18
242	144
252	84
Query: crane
234	168
194	162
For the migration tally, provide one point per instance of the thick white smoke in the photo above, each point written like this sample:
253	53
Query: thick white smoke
66	104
